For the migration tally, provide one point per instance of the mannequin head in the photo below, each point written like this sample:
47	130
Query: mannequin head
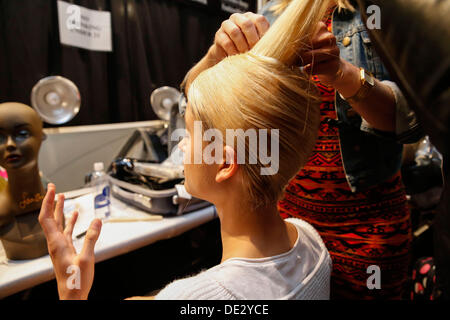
21	136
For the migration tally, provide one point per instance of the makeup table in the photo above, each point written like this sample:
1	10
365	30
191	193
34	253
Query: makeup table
116	238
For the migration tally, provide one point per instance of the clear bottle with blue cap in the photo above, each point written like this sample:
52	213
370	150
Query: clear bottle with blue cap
102	194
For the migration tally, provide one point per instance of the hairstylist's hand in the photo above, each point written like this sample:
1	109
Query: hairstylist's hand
74	272
323	58
238	34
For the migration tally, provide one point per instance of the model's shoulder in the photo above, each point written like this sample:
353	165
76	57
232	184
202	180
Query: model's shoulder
309	234
202	286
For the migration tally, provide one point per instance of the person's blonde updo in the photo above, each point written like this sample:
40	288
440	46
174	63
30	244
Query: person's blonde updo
265	89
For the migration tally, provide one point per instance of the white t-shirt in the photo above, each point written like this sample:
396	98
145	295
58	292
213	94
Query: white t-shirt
302	273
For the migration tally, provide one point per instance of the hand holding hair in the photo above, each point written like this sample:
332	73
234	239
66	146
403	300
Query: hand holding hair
322	58
238	34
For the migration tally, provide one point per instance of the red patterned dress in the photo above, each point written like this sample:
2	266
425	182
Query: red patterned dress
359	229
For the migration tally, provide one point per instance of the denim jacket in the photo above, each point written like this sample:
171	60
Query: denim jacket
369	156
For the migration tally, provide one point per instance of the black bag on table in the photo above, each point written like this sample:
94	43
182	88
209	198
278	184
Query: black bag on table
144	176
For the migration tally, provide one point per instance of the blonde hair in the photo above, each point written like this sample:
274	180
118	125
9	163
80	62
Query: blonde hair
280	5
261	89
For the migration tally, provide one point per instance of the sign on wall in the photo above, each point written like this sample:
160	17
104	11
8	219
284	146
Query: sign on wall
84	28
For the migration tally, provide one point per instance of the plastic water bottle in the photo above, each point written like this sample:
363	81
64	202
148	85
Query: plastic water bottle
101	187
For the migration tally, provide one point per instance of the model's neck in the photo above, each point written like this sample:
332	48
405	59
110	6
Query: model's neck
25	184
251	233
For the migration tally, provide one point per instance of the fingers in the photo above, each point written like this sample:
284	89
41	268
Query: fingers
90	239
46	218
59	212
321	28
326	39
260	22
247	27
236	35
327	70
241	32
320	55
70	225
323	47
224	41
322	39
321	68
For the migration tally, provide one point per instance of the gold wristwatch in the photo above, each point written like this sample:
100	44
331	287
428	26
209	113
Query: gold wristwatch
367	83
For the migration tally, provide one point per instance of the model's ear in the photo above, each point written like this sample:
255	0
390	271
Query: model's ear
229	166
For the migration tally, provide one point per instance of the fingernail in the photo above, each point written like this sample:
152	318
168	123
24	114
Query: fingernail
97	223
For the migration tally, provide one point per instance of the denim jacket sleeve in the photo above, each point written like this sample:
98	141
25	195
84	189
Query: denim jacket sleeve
361	53
407	128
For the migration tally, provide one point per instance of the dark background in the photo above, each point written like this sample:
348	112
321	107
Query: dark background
155	42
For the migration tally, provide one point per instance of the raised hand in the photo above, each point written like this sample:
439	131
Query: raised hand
323	59
74	272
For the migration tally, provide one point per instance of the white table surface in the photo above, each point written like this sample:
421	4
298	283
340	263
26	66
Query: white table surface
115	239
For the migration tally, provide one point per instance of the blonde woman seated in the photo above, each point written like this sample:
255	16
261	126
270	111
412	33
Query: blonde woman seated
264	256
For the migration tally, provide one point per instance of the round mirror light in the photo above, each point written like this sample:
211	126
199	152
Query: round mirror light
56	99
162	100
